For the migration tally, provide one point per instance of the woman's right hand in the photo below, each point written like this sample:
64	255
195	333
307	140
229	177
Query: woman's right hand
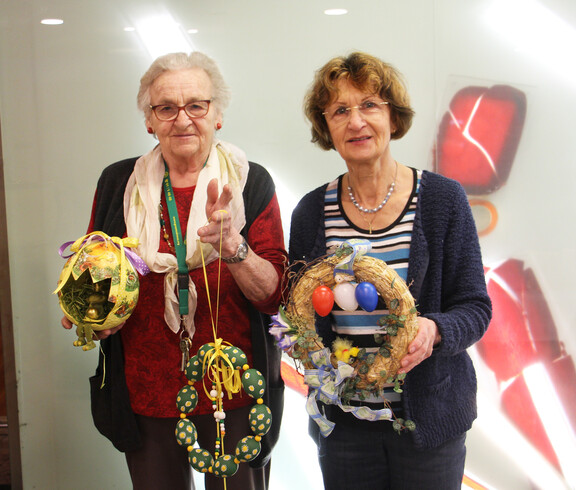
67	324
102	334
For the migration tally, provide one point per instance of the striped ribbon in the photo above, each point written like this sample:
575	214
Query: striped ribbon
345	268
325	383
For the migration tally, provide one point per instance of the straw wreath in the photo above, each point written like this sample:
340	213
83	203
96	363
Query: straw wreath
399	327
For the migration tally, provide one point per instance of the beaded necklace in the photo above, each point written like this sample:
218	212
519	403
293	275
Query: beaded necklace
382	204
165	234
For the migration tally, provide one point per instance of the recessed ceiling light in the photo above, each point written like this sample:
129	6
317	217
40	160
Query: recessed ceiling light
52	22
129	29
161	34
192	31
336	11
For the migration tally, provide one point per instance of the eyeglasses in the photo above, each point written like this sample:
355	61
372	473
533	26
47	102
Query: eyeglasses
169	112
341	114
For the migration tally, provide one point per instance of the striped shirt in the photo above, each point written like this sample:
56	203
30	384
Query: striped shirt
391	244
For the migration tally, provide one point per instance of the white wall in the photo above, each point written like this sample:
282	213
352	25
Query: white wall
67	108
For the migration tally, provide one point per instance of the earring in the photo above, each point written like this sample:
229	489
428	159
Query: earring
150	131
218	126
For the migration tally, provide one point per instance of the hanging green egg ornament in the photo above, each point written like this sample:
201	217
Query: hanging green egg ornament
200	459
186	433
194	371
247	449
187	399
226	358
253	383
260	419
225	466
236	356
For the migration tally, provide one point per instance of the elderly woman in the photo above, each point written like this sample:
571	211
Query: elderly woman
419	223
192	200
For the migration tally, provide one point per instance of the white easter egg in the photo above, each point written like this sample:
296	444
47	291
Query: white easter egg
344	295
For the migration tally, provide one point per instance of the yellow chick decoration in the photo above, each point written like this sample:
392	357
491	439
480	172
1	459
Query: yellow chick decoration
343	350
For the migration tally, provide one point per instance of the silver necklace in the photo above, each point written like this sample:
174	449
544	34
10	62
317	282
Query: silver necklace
382	204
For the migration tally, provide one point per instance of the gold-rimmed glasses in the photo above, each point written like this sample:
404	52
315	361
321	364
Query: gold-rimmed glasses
341	114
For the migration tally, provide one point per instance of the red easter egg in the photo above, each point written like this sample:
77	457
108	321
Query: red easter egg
323	300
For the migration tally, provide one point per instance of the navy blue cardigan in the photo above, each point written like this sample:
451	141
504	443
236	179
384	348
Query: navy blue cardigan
446	278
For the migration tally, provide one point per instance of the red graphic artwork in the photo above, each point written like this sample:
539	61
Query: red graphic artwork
479	135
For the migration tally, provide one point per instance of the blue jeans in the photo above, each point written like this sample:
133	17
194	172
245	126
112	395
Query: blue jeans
353	458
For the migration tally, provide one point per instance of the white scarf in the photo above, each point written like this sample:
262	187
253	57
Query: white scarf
226	163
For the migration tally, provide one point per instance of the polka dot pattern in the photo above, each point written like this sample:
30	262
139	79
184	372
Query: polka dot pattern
247	449
186	434
200	459
236	356
254	383
187	399
225	466
260	419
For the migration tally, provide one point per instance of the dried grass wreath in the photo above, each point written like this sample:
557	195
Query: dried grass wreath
336	375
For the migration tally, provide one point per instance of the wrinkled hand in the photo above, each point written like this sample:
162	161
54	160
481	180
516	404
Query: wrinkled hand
102	334
421	347
219	221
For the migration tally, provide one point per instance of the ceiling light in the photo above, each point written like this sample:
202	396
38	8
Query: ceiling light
51	22
192	31
129	29
161	34
336	11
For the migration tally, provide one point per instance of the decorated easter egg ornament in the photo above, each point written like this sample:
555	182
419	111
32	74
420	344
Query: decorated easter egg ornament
323	300
366	295
345	296
99	285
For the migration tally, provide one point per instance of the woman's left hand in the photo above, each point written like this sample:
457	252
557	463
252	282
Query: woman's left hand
255	276
421	347
219	225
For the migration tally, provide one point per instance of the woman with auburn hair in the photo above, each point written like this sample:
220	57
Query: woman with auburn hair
421	225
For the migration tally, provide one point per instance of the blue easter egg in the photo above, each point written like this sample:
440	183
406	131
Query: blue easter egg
367	296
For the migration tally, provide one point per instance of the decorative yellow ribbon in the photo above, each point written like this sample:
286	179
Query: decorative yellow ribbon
216	362
220	370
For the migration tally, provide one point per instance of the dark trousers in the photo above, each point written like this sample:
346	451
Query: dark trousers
380	459
161	463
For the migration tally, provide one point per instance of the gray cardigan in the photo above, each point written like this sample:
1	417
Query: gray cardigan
446	278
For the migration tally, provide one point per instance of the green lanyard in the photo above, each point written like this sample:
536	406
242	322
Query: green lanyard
179	243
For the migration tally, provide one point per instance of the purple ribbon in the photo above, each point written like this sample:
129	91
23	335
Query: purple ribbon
133	257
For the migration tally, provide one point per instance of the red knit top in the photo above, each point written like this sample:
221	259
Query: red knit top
151	350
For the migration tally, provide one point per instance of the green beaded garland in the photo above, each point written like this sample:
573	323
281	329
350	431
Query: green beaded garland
194	371
225	466
247	449
260	419
186	433
253	383
200	459
187	399
236	356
